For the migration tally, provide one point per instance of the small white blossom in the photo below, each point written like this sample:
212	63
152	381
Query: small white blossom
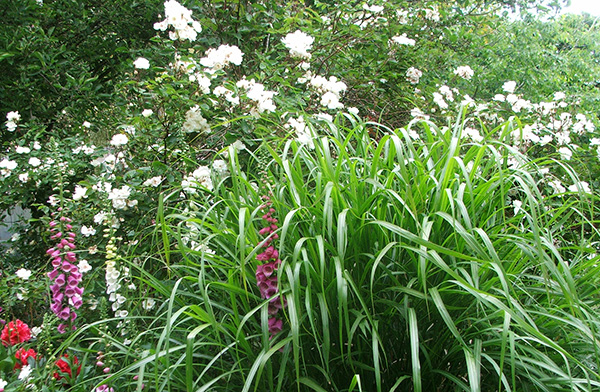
79	193
402	40
148	304
154	181
298	43
353	110
221	57
413	75
119	139
584	186
35	331
565	153
141	63
509	86
464	72
373	8
25	373
88	231
100	217
147	112
22	150
220	167
84	266
53	201
194	122
35	162
23	273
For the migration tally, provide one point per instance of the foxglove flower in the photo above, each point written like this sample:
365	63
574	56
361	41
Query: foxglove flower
65	276
266	273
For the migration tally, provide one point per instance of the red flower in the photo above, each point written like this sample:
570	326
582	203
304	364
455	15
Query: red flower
14	333
22	355
66	365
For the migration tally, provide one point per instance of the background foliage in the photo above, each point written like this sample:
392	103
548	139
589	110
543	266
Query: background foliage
432	236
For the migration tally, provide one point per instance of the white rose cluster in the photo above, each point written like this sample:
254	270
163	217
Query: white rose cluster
7	166
12	118
154	181
464	72
194	122
181	19
219	58
119	197
79	192
263	99
222	91
199	177
402	40
413	75
330	90
120	139
298	43
303	132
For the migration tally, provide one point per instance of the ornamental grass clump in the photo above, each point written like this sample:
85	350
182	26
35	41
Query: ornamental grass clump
65	276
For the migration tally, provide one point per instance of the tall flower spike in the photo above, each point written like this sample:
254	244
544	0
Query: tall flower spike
65	277
266	273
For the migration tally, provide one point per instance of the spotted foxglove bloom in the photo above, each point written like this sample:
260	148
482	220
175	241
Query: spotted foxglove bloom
266	273
298	43
65	276
141	63
464	72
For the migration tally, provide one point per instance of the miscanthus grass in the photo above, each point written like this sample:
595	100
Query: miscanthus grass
426	264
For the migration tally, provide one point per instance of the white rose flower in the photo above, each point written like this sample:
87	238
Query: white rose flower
141	63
